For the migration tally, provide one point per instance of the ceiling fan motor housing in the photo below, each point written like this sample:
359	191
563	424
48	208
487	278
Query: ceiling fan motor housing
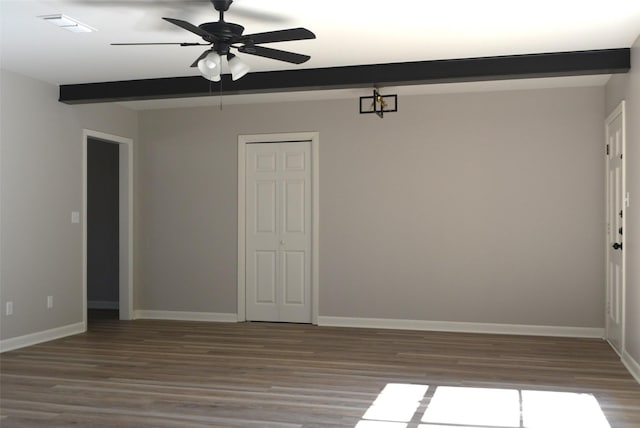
222	30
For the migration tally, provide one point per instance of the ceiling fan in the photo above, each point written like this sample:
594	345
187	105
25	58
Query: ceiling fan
223	36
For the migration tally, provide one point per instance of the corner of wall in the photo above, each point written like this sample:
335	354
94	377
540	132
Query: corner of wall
632	365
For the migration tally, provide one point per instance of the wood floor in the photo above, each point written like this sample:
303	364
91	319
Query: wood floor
193	374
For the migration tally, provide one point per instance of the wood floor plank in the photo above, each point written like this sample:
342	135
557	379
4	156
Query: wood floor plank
153	373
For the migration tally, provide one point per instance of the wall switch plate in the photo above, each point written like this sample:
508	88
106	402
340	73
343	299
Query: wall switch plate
49	302
9	309
75	217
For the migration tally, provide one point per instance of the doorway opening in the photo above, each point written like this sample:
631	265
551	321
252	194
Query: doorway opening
103	223
107	226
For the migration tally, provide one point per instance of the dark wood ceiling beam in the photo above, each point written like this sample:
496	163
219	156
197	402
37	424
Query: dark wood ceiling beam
605	61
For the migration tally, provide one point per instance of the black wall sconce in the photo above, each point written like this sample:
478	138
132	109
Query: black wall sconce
378	104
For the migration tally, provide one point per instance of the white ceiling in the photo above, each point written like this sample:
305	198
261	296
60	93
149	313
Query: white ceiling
349	32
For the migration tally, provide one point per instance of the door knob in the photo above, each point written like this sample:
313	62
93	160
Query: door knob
617	246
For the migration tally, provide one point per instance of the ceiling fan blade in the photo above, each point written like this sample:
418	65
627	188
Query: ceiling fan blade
169	43
279	36
189	27
291	57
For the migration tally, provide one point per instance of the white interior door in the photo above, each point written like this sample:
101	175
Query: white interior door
278	232
616	204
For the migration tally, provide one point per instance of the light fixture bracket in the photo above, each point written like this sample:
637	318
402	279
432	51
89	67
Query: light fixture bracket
378	104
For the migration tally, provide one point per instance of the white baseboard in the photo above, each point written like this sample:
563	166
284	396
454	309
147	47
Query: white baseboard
632	365
185	316
99	304
462	327
41	336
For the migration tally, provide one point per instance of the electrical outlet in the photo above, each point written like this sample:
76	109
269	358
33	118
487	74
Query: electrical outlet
49	302
9	308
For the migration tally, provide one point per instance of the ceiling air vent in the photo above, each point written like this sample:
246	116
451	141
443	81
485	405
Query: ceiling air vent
67	23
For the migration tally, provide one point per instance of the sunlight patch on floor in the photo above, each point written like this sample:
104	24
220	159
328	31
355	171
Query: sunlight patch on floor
380	424
397	402
459	407
474	406
547	409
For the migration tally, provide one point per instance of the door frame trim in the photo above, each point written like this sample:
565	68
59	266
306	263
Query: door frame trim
126	229
619	110
243	140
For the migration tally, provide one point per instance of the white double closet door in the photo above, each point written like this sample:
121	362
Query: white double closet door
278	232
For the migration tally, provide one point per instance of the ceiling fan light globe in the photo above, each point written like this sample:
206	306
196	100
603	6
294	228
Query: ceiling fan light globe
202	67
214	76
237	67
209	62
209	67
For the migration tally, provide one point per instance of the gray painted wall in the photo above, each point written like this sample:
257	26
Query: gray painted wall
484	207
103	218
627	87
41	184
470	207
